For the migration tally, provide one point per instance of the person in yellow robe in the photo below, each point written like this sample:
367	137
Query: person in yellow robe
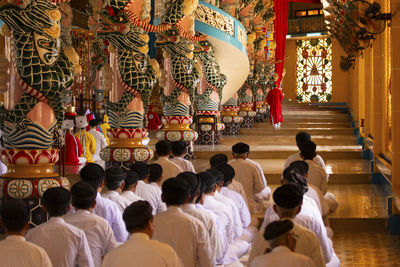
104	127
87	140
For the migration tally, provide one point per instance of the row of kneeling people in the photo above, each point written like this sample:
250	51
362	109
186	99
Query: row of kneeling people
199	219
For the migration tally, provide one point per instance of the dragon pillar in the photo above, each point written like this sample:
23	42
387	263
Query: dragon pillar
38	74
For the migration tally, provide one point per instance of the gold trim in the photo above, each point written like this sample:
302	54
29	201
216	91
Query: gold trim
126	143
206	120
229	114
30	171
177	127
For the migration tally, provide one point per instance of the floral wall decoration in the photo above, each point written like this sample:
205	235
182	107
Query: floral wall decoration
314	70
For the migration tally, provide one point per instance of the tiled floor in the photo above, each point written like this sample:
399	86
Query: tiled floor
367	249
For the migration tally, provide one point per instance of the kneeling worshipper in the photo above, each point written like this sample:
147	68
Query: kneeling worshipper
287	205
65	244
98	231
282	244
170	168
186	234
300	138
130	186
317	175
248	175
99	138
217	243
115	182
178	149
15	251
140	250
94	174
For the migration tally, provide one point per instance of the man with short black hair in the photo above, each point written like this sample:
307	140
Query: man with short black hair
140	250
300	138
98	231
178	149
151	190
288	200
248	174
65	244
282	243
115	182
236	186
186	234
170	168
105	208
129	190
15	251
206	217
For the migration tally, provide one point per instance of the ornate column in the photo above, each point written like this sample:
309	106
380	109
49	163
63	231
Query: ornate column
246	104
134	75
180	73
39	71
230	116
208	96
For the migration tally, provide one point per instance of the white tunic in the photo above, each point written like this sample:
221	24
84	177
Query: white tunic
101	143
140	251
98	233
186	234
216	242
319	199
169	169
223	213
185	165
307	220
121	202
108	210
130	196
317	176
307	244
15	251
296	156
282	257
65	244
237	222
240	203
238	187
152	193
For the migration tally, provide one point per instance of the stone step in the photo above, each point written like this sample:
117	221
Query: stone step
284	140
301	119
318	113
352	171
294	124
294	131
275	152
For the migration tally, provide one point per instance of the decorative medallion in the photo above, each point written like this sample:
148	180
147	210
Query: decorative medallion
20	188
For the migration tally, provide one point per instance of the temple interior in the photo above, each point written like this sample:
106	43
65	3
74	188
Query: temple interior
104	82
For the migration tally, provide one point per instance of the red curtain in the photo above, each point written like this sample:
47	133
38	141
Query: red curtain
281	20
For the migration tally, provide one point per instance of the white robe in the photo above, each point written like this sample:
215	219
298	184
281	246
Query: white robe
108	210
101	143
98	233
15	251
296	156
216	243
152	193
130	196
121	202
282	257
140	251
186	234
65	244
185	165
307	244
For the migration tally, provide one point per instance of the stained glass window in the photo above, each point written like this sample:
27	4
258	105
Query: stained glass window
314	70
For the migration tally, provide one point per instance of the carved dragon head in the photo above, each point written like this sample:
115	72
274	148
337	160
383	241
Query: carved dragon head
37	18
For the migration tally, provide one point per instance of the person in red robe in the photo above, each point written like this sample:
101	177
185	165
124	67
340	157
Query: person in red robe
274	99
154	122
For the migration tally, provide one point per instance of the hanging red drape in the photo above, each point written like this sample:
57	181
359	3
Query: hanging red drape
281	20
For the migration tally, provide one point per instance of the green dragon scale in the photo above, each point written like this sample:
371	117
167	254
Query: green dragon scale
45	72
